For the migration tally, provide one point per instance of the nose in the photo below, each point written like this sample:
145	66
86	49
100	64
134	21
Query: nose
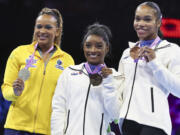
141	23
42	30
93	49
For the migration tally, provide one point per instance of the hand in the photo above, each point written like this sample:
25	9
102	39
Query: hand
147	53
106	71
18	86
134	52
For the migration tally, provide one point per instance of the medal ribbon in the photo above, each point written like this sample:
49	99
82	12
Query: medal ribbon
96	70
30	62
50	49
153	43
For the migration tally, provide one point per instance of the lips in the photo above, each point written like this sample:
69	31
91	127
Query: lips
140	31
42	37
92	55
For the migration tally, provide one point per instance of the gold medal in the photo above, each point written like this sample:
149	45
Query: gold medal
95	79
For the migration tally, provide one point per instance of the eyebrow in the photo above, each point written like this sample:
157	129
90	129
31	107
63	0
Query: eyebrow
144	16
95	42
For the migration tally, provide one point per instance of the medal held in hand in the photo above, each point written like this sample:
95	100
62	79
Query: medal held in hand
95	76
24	73
135	51
96	79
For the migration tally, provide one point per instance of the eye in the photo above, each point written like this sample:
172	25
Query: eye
99	45
48	27
88	45
137	18
39	26
147	18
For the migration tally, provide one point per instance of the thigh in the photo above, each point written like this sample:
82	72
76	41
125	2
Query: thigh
16	132
152	131
11	132
131	127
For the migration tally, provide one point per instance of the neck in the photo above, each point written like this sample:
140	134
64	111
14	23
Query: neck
94	64
150	38
44	48
92	69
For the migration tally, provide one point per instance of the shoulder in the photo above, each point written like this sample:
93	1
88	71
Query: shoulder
125	54
76	67
114	72
69	59
127	50
67	55
19	50
22	47
170	46
168	50
73	69
165	43
116	75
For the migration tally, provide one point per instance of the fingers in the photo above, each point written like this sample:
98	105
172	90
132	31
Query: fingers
142	50
147	53
134	52
106	71
18	86
18	83
17	92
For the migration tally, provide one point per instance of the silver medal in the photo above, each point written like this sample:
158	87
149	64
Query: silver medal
24	74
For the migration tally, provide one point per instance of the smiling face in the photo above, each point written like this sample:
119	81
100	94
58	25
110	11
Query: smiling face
95	49
45	30
145	23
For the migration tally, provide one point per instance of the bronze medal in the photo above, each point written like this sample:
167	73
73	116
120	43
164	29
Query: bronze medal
95	79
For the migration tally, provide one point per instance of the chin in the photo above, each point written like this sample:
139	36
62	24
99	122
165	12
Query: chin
42	43
142	38
93	63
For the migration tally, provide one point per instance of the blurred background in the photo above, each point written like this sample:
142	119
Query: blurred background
17	19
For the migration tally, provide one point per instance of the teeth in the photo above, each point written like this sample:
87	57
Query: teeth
42	37
93	55
141	31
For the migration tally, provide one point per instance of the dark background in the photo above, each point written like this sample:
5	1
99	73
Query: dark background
17	19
